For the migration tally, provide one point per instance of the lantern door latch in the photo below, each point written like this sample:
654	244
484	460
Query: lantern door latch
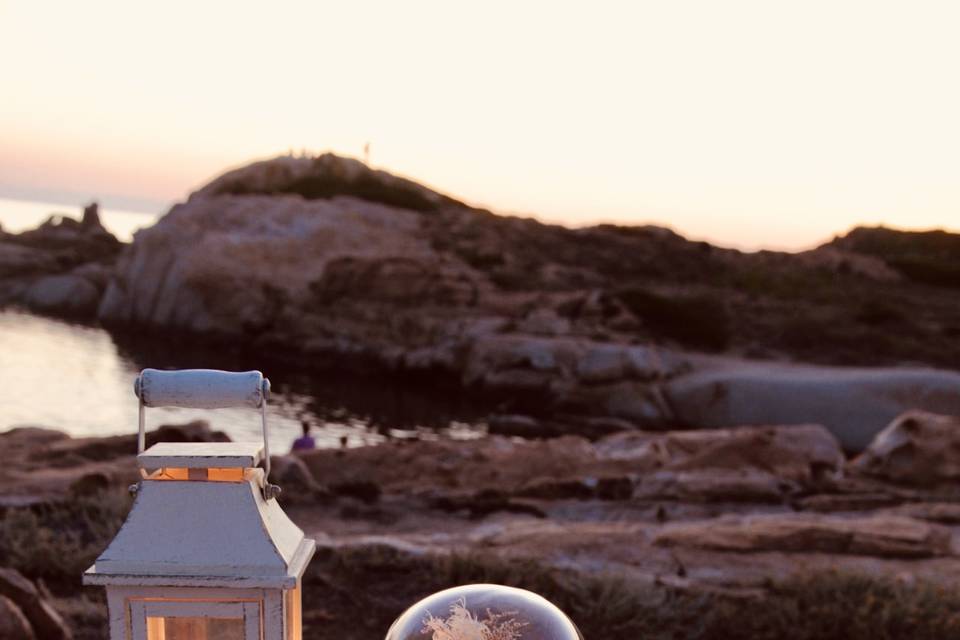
206	389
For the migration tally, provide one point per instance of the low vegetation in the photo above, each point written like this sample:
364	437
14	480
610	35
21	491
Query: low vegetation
930	257
329	178
57	541
699	321
356	594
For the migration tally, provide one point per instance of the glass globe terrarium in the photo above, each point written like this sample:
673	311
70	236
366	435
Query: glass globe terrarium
483	612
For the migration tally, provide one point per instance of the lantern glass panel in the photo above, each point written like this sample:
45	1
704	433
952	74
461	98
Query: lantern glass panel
197	620
197	628
292	606
213	474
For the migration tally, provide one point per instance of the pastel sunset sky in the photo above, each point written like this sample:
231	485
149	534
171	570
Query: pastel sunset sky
750	124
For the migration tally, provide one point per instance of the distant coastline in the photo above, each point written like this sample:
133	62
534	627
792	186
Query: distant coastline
18	215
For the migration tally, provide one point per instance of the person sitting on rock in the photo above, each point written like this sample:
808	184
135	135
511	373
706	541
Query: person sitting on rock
306	441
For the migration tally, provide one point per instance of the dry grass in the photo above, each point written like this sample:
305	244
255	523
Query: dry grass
355	594
375	584
57	541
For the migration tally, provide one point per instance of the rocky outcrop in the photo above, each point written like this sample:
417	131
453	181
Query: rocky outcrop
325	177
766	464
252	258
749	463
71	242
13	624
296	482
42	619
732	511
928	257
329	261
50	465
883	536
60	268
855	404
66	295
918	448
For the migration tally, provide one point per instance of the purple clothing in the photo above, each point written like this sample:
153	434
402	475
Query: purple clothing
303	443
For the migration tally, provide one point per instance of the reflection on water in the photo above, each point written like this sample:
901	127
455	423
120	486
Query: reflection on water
79	379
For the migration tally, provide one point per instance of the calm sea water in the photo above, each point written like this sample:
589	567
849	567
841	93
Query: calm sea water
79	379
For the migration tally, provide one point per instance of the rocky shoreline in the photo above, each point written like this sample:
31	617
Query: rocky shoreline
329	263
60	268
724	513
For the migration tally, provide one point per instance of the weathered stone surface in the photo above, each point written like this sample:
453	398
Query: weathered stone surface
295	480
603	363
839	502
884	536
942	512
402	281
326	257
50	466
754	464
521	426
710	510
110	447
917	448
748	485
801	453
90	484
247	257
72	242
70	295
16	260
544	322
13	624
44	619
489	463
59	268
854	404
748	464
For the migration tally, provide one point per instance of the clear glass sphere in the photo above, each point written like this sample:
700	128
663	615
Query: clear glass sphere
483	612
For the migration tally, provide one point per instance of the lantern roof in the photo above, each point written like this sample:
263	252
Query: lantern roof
201	455
204	533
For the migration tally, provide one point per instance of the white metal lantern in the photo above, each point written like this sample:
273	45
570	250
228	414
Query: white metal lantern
206	553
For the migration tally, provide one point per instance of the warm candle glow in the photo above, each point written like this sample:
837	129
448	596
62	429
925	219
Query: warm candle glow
195	629
210	475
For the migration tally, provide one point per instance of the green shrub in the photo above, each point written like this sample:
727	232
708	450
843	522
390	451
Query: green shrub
700	321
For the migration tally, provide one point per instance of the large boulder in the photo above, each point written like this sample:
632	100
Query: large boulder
854	404
746	464
802	453
59	268
13	624
43	618
228	263
294	479
917	448
875	535
17	260
73	242
68	295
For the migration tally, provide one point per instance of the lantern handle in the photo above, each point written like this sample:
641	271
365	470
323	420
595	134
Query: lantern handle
205	389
